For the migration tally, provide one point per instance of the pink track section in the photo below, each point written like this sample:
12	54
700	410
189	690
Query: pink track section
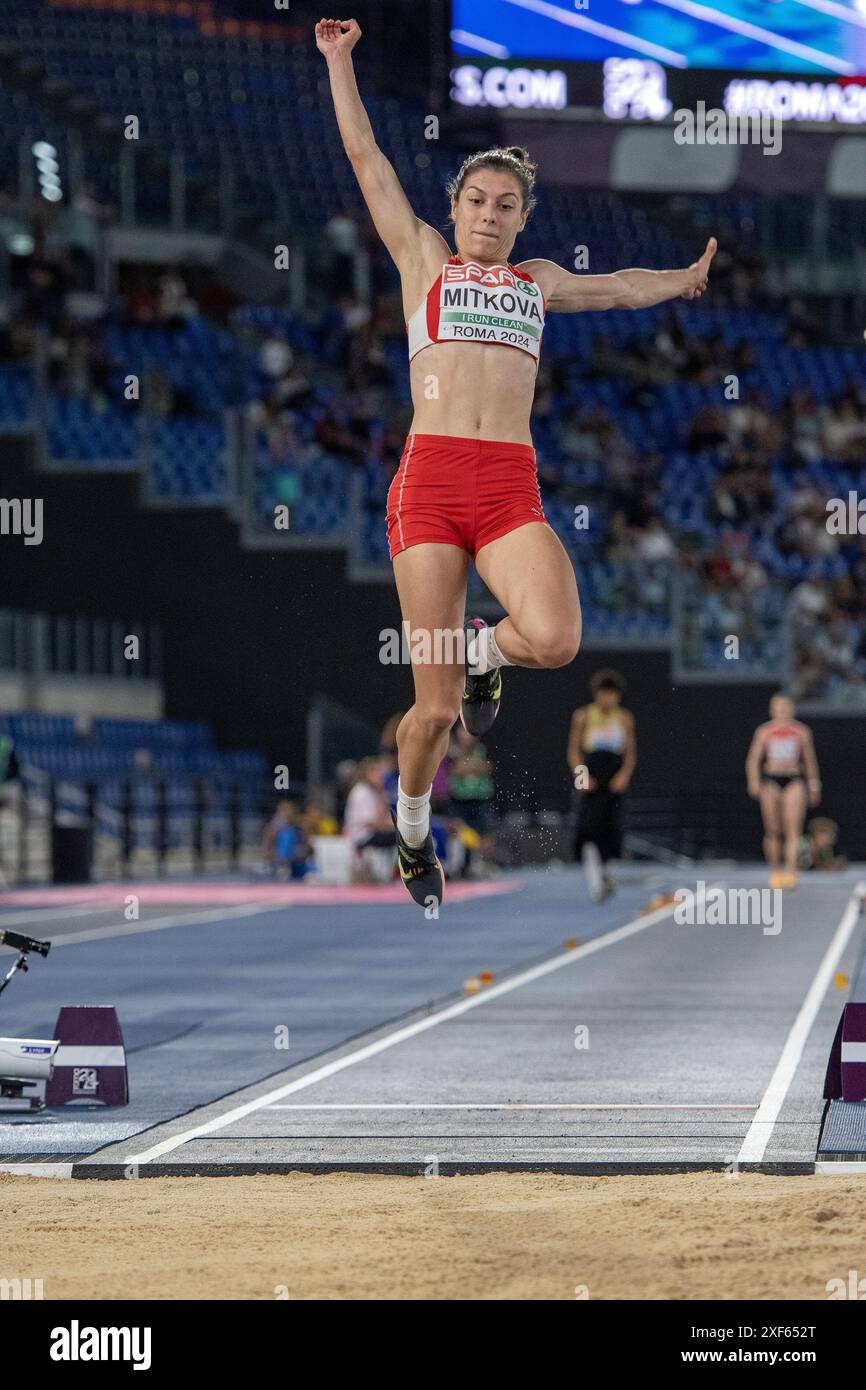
195	894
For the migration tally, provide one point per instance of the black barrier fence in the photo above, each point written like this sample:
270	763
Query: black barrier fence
73	832
54	830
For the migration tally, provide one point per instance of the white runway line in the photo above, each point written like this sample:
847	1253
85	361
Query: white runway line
761	1128
468	1105
144	924
49	915
411	1030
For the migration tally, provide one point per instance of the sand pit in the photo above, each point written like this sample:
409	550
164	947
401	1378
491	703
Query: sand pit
500	1235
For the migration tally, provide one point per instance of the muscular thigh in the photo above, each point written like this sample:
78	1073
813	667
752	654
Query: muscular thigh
529	572
431	583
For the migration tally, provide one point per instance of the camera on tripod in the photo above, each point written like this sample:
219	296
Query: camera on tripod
24	1062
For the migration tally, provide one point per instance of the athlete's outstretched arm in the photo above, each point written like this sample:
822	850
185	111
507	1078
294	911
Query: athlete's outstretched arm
624	289
389	207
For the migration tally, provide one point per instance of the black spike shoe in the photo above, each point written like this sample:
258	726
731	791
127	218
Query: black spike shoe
420	869
482	695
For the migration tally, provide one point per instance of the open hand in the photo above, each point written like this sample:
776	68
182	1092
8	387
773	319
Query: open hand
700	271
335	34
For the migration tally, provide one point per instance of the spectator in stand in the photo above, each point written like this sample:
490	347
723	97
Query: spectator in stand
836	644
575	436
670	347
752	420
641	506
368	366
809	678
339	328
275	356
653	544
366	819
175	305
604	361
367	822
286	847
346	773
142	304
802	423
708	428
745	356
803	329
342	236
619	545
341	434
811	601
844	433
316	821
846	599
8	764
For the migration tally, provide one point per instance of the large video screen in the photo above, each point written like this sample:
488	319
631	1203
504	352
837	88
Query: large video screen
771	36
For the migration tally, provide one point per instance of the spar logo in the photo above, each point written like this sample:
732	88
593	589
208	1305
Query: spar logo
494	276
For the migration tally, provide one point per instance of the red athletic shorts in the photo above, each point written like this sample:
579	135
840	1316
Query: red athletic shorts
464	492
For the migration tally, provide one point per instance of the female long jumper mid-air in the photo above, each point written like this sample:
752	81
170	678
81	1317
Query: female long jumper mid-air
467	485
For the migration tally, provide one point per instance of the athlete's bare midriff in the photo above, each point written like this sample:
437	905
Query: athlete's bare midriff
470	390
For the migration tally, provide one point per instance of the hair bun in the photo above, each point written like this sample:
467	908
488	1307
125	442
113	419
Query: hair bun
518	152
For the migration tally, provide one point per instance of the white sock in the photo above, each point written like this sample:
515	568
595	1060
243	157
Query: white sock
483	654
413	816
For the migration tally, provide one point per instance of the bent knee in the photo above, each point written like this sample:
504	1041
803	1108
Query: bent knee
556	646
437	719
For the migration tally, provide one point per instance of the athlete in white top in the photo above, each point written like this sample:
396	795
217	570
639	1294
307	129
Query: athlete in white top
472	402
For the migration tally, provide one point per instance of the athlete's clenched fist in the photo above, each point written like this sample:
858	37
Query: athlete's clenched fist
332	35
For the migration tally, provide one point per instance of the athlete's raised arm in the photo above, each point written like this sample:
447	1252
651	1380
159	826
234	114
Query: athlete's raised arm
624	289
389	207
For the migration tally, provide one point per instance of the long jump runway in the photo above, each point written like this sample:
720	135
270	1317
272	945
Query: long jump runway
336	1034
